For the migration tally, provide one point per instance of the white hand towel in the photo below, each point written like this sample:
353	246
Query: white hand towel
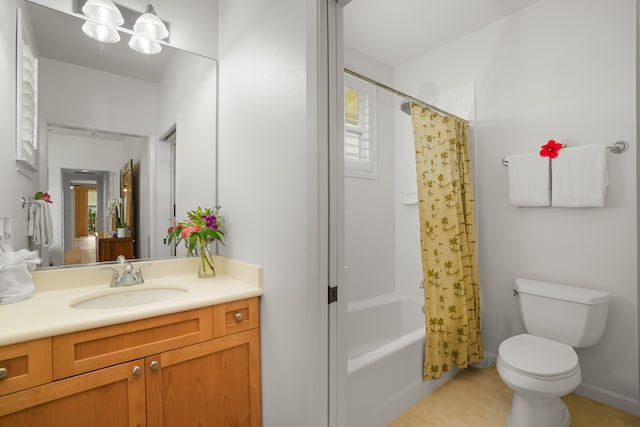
40	224
47	224
32	219
529	180
579	177
37	215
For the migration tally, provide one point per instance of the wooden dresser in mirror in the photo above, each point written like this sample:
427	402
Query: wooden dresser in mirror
108	247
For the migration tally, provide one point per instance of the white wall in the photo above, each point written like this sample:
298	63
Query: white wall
21	186
87	98
563	70
268	176
188	101
370	242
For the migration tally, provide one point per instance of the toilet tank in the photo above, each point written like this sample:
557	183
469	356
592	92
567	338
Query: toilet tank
568	314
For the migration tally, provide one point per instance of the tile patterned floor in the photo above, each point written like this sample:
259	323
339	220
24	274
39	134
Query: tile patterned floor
478	398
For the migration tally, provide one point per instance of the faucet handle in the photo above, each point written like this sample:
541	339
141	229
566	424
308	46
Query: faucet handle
121	259
116	276
138	274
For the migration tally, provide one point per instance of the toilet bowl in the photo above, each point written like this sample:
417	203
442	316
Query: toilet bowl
541	366
539	371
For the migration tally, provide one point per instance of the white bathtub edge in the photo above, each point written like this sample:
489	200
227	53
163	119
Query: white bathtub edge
366	359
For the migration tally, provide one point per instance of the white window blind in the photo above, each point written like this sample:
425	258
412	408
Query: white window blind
29	99
26	96
359	128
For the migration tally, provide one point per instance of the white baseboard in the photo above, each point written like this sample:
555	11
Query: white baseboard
596	393
609	398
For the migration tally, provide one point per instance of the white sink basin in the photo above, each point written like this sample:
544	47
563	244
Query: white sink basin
126	297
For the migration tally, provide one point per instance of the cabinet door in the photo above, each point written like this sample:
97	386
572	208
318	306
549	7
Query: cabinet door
112	397
25	365
212	384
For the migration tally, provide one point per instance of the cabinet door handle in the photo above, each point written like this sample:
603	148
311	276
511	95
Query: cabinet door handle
238	317
137	370
154	365
3	373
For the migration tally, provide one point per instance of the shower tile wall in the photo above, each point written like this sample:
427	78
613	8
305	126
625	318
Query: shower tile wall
369	216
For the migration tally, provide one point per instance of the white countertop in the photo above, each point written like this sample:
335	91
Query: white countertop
48	312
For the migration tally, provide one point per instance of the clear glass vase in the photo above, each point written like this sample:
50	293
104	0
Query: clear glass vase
206	269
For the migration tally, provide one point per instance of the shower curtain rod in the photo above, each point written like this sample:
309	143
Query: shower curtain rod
404	95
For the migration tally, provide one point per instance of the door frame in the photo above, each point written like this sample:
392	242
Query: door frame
335	127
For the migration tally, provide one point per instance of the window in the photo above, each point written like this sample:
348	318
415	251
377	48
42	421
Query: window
359	128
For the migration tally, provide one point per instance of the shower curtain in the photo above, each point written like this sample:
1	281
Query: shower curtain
447	235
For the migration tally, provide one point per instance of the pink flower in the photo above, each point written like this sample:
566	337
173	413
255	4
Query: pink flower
186	232
46	197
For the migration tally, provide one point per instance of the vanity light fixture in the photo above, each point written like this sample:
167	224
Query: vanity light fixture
103	12
100	32
144	45
149	28
103	15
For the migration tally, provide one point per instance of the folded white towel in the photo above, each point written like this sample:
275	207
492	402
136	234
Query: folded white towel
16	283
529	180
579	177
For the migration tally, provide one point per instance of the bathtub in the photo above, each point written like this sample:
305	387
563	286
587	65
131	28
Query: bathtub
386	338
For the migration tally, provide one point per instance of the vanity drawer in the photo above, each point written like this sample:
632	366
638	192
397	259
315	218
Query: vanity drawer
25	365
84	351
235	317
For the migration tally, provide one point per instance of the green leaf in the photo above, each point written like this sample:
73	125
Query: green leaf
193	239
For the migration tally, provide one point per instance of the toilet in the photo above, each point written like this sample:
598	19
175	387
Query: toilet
541	366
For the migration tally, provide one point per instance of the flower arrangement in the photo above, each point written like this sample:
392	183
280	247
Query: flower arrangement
115	205
202	227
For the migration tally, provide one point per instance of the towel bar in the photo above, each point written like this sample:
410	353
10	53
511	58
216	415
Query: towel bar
616	148
26	202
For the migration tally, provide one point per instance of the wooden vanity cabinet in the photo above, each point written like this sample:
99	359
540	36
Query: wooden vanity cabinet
189	375
215	383
109	397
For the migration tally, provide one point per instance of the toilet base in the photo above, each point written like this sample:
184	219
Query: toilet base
532	411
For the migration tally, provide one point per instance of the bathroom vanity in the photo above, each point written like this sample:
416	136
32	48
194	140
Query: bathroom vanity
197	363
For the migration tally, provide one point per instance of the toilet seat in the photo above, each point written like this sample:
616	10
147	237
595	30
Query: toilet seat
538	357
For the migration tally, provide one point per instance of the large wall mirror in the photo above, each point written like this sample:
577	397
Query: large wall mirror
102	106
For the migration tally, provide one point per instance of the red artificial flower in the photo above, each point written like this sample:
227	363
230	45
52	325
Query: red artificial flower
550	149
46	197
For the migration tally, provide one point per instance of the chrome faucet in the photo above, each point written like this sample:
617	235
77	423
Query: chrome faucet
128	276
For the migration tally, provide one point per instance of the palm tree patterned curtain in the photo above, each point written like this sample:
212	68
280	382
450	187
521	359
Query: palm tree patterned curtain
448	240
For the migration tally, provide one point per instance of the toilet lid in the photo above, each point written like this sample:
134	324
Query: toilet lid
538	356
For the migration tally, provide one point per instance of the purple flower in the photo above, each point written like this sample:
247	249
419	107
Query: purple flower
210	221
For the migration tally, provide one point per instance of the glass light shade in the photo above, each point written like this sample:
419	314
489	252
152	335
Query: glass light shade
143	45
103	12
150	26
100	32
